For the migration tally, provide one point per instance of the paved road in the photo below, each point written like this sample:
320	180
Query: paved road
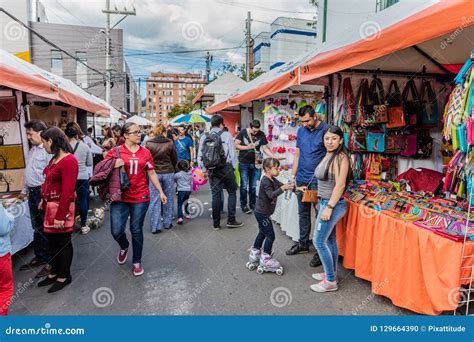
191	269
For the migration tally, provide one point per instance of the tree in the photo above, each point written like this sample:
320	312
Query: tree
185	108
254	74
4	156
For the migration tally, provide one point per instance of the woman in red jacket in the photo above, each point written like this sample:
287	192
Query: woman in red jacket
57	200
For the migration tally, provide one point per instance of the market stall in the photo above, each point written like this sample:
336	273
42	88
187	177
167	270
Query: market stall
27	91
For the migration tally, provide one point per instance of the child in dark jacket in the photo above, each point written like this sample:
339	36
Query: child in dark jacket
270	189
184	184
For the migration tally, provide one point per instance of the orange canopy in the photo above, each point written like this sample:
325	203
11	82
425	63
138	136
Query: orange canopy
20	75
440	19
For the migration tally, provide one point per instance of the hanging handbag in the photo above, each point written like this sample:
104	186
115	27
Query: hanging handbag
413	108
394	143
310	196
410	146
429	105
424	144
378	98
124	180
358	140
396	115
376	142
348	103
373	169
365	106
461	132
50	211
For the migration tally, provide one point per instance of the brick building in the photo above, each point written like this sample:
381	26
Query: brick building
165	90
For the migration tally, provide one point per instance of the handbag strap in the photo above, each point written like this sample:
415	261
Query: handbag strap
75	148
117	151
377	92
410	87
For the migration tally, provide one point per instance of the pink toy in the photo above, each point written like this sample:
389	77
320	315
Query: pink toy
199	178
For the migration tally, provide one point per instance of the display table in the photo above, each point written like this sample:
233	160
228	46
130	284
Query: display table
286	215
415	268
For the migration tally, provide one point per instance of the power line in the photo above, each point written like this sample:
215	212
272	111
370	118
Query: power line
262	8
47	40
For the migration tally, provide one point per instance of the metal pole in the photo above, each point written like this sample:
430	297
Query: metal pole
107	53
247	56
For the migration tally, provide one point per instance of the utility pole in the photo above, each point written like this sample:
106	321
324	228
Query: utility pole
208	67
108	12
248	39
139	96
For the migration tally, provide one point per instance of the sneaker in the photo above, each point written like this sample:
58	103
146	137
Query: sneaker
315	261
296	249
180	221
319	276
138	270
247	210
217	227
324	286
122	256
234	224
188	217
85	230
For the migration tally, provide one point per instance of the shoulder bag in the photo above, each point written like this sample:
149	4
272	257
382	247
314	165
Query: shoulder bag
124	180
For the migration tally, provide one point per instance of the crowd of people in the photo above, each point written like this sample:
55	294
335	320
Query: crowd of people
139	171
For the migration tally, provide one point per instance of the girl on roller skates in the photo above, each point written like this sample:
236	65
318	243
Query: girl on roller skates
270	189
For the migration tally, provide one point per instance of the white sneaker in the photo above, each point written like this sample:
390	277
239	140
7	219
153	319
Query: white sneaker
85	230
324	286
319	276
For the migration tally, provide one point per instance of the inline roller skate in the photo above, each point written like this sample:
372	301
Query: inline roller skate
254	259
267	264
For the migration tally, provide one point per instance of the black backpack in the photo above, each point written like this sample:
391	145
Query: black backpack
213	155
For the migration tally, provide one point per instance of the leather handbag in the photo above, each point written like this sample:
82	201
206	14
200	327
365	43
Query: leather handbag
429	103
124	180
396	115
378	98
310	196
376	142
50	211
413	108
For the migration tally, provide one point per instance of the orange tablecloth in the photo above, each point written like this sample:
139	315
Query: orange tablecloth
415	268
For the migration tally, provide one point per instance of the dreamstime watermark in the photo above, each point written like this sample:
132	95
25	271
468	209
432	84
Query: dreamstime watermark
281	297
459	296
195	294
466	21
103	297
20	289
194	207
17	208
370	30
13	31
192	30
46	330
369	298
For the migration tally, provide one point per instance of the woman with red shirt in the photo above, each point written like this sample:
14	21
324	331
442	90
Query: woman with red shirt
57	200
138	164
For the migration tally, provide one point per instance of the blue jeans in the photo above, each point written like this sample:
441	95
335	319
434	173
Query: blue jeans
248	184
82	191
119	214
325	237
304	214
40	239
157	209
183	197
265	233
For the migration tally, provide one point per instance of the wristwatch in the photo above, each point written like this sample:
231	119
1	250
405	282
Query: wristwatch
330	207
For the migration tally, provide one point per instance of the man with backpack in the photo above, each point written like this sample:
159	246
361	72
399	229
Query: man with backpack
217	155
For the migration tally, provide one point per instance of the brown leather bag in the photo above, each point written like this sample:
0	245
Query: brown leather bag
310	196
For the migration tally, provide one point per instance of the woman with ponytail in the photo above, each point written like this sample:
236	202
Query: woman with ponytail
332	173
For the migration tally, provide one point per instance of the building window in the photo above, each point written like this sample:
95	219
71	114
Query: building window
56	62
81	69
383	4
257	56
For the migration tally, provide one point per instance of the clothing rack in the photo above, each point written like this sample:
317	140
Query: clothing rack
422	74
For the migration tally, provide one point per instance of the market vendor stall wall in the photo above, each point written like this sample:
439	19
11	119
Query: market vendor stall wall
441	90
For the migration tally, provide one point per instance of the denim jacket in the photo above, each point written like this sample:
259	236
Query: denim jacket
6	226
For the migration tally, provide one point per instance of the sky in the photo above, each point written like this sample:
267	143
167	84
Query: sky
182	25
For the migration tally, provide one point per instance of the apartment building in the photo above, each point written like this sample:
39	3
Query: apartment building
165	90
